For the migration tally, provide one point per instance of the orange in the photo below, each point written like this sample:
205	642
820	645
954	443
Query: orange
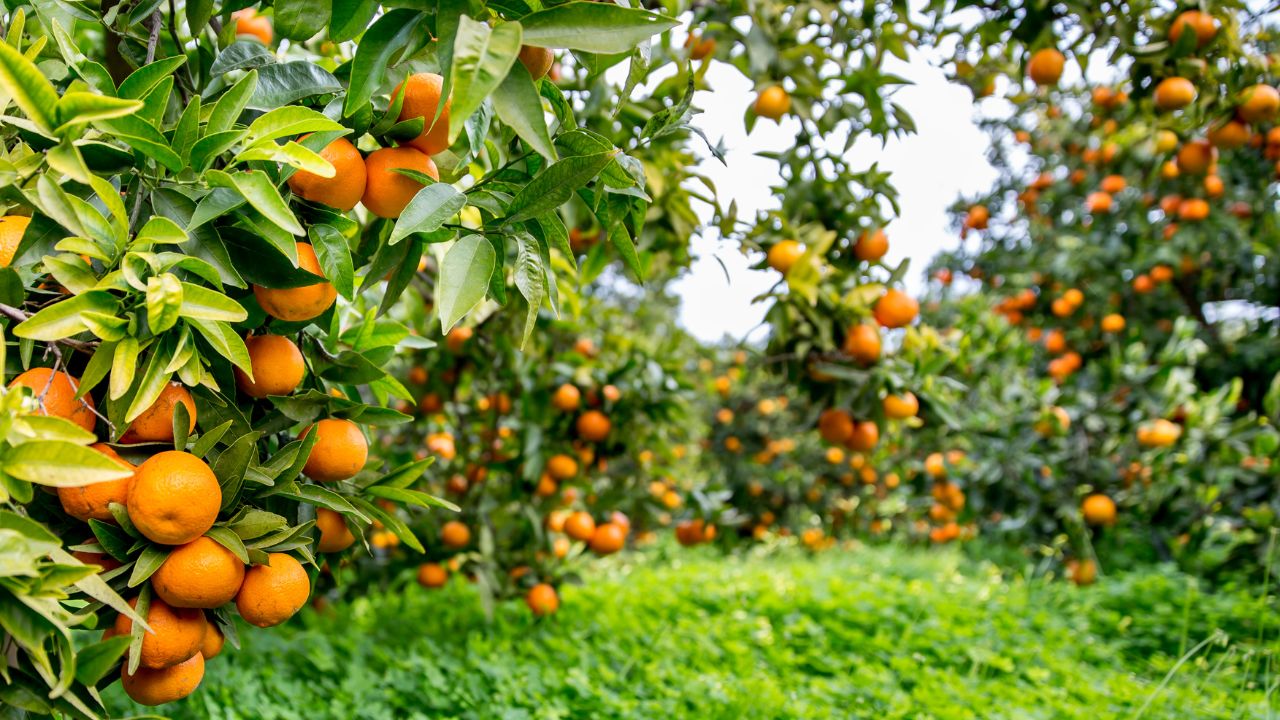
1098	202
537	60
1113	184
611	393
1196	156
1202	24
1193	210
1213	186
902	406
1098	509
431	575
871	246
935	466
1113	323
271	594
213	641
773	102
11	229
608	539
155	424
342	191
457	339
562	467
200	574
1174	93
94	500
978	217
580	526
335	536
176	633
895	309
339	453
1045	66
249	22
422	99
699	48
56	392
1258	103
865	436
1166	141
156	687
431	403
542	600
1082	572
863	343
299	303
1161	273
593	426
566	398
1229	135
174	498
783	255
277	365
1143	284
835	426
387	193
455	535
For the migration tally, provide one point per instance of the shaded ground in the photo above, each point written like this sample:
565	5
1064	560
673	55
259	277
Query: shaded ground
868	633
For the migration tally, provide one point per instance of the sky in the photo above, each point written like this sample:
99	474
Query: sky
931	169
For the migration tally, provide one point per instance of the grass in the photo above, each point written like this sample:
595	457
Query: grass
867	633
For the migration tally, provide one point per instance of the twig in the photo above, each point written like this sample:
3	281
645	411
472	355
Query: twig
177	44
154	39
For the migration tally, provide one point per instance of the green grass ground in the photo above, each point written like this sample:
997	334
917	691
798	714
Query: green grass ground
868	633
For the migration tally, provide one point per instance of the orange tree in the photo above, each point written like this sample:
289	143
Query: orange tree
1135	247
203	232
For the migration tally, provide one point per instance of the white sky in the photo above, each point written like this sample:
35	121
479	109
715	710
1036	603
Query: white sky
944	159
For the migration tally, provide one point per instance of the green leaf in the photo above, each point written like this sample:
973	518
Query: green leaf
334	255
160	230
291	154
410	497
593	27
164	298
350	18
481	59
143	137
556	184
241	55
62	319
79	108
531	279
260	193
286	83
228	107
198	13
152	557
124	367
227	538
58	463
201	303
301	19
225	341
377	51
95	661
154	379
143	80
519	106
289	121
428	210
21	80
209	147
464	278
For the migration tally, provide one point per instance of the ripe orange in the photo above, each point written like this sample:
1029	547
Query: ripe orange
271	594
899	407
457	339
176	633
1196	157
455	535
699	48
12	228
200	574
335	536
1229	135
386	192
593	426
1045	66
580	526
1202	24
1213	186
249	22
862	343
277	365
93	501
153	687
537	60
1161	273
978	218
608	539
611	393
783	255
213	641
1098	202
422	99
155	424
1258	103
562	467
340	452
432	575
1193	210
835	426
1082	572
299	303
1174	93
865	436
871	246
1113	323
895	309
1098	509
542	600
342	191
1113	184
773	102
56	392
566	398
174	498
